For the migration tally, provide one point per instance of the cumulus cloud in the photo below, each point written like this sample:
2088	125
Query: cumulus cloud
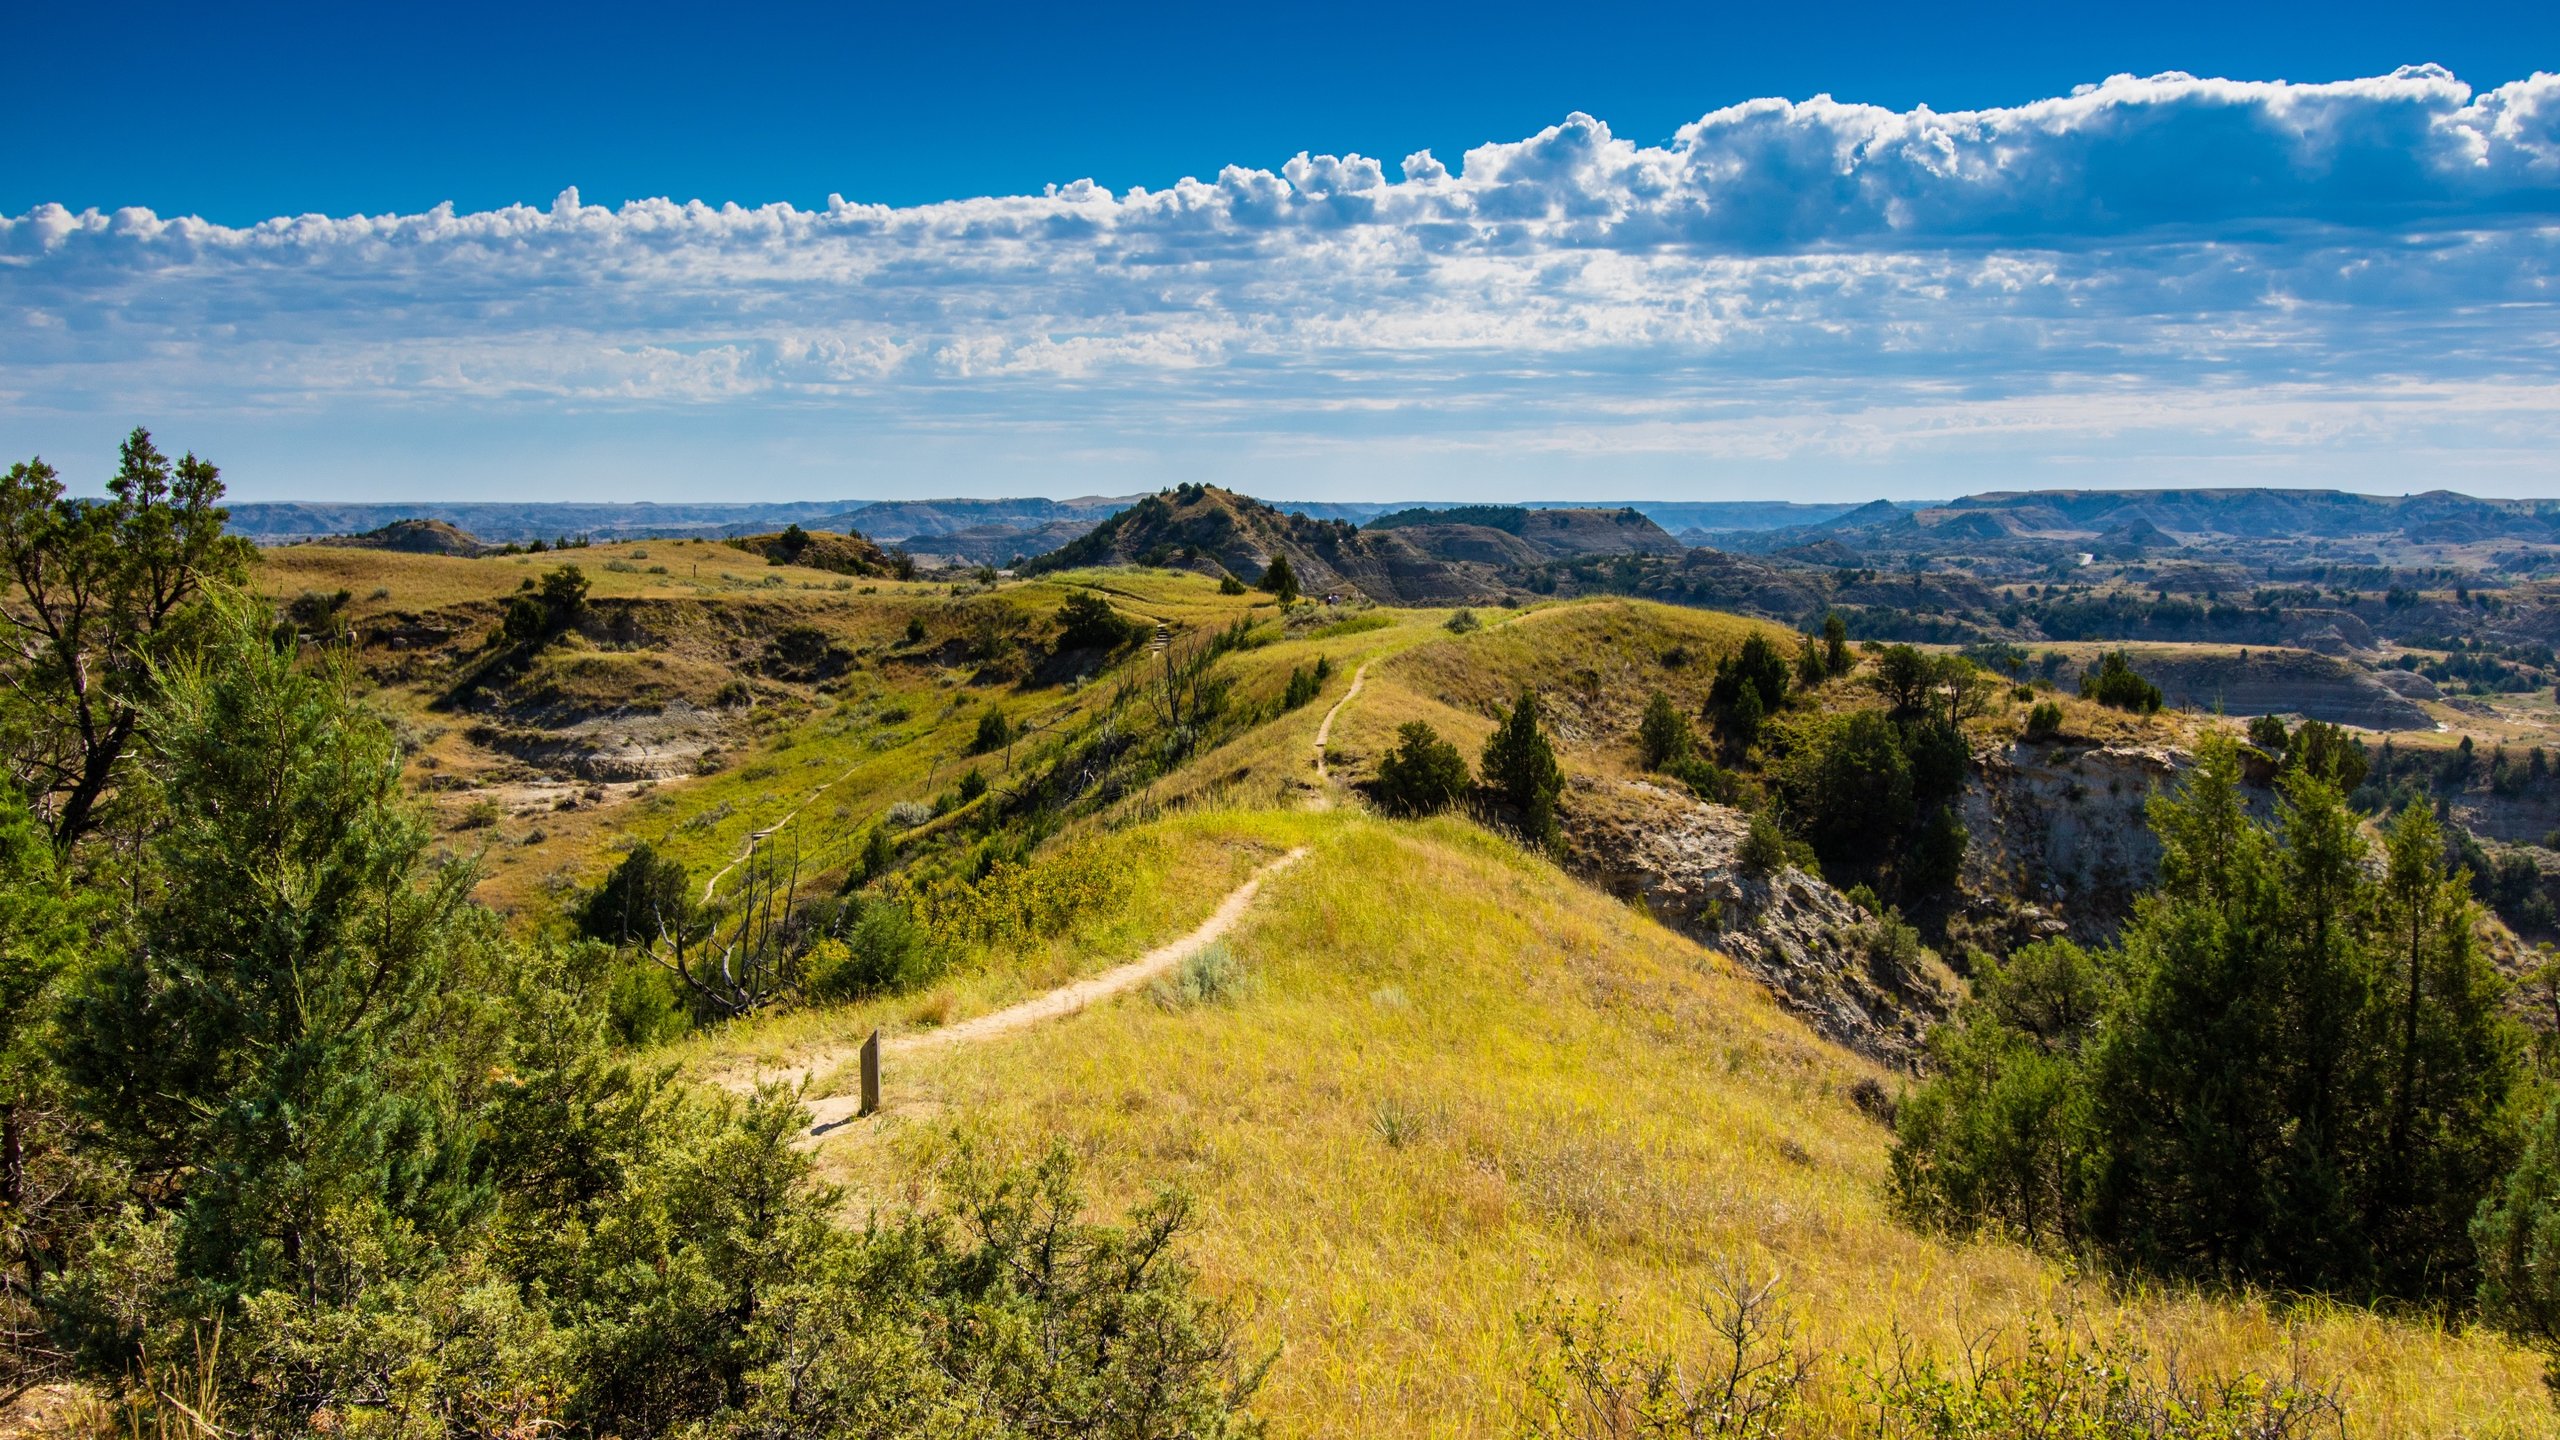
1780	265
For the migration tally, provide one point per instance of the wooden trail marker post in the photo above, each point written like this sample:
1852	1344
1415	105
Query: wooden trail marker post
870	1076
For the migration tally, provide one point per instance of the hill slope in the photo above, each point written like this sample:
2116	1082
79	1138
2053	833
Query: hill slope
1212	531
1446	1084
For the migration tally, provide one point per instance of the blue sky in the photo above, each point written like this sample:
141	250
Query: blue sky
1575	261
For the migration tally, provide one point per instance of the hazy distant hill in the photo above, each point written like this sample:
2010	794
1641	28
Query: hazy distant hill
413	537
272	522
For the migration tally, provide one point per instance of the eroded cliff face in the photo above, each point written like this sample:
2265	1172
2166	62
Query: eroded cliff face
1819	954
2058	836
2059	844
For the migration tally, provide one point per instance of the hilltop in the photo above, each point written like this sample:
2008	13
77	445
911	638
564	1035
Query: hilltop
1412	556
846	553
1214	532
413	537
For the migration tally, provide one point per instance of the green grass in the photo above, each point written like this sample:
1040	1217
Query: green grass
1457	1084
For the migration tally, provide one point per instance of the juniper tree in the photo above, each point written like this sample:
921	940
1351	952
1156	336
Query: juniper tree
1663	737
98	590
267	1053
1423	773
1520	764
1281	580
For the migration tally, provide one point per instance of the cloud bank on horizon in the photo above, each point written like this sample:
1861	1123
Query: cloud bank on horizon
2151	280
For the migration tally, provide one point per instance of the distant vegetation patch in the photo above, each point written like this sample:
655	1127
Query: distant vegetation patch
1511	518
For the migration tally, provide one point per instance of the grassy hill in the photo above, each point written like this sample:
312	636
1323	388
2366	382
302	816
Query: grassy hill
1451	1085
1438	1083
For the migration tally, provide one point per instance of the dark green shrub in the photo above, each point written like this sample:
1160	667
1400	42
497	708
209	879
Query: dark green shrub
1423	773
645	1006
646	896
994	732
1664	740
2267	732
1708	780
1281	580
2114	684
1087	622
2044	721
1754	676
1764	845
1520	765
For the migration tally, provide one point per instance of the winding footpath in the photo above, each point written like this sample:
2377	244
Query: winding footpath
835	1110
1324	728
758	837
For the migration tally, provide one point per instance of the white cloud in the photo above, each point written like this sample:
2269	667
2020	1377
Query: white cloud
1781	278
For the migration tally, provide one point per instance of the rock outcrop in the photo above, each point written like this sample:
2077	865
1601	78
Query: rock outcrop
2061	828
1821	955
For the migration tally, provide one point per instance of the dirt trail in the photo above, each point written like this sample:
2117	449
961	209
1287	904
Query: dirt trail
1324	728
758	837
835	1110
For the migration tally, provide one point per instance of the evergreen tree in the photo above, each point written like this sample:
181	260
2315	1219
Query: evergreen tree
2517	1239
1663	738
1758	667
2303	1078
1281	580
1836	659
1520	764
45	1185
1423	773
647	895
103	590
2453	1059
267	1054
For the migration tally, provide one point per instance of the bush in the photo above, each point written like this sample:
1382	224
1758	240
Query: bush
994	732
1087	622
1281	580
1228	584
2044	721
644	1006
1464	622
2267	732
2328	751
1423	773
1707	780
645	896
1664	740
1750	685
915	627
1210	976
1846	781
1764	846
1303	687
908	814
876	948
2114	684
2518	1237
972	785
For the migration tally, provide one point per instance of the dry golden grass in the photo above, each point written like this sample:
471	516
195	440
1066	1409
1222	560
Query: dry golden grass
1458	1083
